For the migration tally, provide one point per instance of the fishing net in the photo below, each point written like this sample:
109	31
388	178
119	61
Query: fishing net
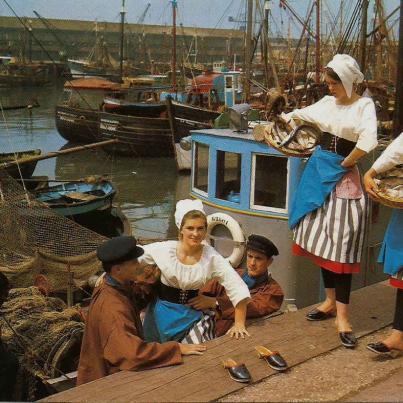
35	241
43	332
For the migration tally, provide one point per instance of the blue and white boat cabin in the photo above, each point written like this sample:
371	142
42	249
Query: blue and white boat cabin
246	182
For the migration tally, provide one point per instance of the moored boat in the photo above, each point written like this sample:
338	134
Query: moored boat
23	170
78	198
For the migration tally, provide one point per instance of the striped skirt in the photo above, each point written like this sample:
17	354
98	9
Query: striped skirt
202	331
335	231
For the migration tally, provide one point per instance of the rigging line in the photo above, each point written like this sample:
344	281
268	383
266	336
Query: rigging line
15	154
224	13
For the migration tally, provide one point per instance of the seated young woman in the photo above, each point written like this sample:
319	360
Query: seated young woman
186	266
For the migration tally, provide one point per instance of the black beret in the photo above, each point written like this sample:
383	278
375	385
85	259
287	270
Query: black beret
261	244
118	250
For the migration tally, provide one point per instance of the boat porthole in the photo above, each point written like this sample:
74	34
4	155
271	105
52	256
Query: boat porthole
236	233
81	117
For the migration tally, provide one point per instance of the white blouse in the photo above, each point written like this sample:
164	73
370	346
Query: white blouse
392	156
193	277
356	122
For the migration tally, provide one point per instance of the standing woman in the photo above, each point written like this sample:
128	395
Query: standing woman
328	214
186	266
391	254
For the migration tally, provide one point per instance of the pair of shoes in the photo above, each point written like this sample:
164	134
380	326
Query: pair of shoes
382	348
237	372
316	314
273	358
348	339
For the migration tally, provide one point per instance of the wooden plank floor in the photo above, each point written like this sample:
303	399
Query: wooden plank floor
202	378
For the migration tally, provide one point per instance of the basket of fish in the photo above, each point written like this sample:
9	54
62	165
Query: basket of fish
390	187
299	141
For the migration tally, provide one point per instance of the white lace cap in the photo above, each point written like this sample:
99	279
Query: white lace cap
184	206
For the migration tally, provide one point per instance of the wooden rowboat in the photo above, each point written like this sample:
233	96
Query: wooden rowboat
27	169
78	198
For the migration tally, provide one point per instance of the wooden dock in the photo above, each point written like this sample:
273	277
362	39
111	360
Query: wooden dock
202	378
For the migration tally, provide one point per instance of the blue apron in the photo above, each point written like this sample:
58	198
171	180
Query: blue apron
166	321
391	253
320	177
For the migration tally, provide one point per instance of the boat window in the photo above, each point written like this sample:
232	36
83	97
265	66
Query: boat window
228	176
269	182
200	179
228	82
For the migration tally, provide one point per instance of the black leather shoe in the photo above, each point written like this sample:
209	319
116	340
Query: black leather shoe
381	348
348	339
277	362
273	358
237	372
316	314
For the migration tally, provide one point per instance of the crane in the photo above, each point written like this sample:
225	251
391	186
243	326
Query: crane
144	14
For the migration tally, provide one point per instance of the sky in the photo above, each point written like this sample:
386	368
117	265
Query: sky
191	13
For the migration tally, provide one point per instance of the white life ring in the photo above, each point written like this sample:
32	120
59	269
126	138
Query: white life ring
236	232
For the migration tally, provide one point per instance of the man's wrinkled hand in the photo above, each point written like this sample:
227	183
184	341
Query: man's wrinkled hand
192	349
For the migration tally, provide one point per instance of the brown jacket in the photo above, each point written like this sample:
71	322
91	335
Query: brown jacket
111	342
266	298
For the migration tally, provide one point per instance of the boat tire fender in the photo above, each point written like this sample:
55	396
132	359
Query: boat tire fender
236	233
81	117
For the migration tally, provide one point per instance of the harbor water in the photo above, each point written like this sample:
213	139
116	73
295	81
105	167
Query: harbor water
147	188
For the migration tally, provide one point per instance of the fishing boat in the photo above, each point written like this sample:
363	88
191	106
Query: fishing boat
78	111
248	187
78	198
24	170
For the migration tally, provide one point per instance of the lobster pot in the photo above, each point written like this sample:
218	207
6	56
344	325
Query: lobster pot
51	331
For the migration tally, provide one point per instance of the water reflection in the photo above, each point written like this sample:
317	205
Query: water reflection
147	188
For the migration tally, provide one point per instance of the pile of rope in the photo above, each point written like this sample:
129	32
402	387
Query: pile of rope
42	331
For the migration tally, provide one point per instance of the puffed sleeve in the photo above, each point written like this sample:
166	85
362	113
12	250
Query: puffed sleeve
226	275
392	156
367	128
148	257
313	113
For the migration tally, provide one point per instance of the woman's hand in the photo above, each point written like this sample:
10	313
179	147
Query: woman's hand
237	331
370	186
192	349
202	302
352	158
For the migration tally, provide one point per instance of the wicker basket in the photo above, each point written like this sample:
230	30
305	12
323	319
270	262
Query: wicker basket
290	152
385	198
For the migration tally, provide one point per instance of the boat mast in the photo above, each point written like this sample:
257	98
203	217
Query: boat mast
174	5
318	66
248	49
363	40
398	116
122	33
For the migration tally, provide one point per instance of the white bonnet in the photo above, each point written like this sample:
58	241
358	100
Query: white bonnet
348	70
184	206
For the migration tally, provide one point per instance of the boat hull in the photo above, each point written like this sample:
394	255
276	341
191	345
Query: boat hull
77	198
77	125
26	169
138	136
